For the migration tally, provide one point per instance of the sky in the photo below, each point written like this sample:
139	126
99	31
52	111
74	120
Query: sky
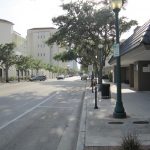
27	14
136	10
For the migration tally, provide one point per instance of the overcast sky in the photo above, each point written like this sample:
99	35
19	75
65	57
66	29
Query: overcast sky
26	14
138	10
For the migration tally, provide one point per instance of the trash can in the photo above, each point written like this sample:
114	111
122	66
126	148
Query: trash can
105	91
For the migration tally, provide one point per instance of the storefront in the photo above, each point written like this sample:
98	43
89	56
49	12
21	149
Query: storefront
135	59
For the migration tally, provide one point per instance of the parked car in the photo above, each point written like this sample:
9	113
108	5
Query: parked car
38	78
60	77
84	77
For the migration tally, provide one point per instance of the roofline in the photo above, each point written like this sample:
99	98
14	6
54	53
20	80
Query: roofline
41	28
16	32
140	37
2	20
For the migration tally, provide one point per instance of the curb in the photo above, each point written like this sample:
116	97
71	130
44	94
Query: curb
66	140
82	125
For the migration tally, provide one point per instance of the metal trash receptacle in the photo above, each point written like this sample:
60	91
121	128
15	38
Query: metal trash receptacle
105	91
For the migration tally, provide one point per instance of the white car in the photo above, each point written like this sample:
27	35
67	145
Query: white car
60	77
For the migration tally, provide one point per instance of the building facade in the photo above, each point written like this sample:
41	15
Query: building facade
135	59
21	44
38	49
6	31
34	45
73	65
8	35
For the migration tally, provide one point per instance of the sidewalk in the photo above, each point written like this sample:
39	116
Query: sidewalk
11	83
100	131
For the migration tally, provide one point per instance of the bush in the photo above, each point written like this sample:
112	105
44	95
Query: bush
130	142
12	78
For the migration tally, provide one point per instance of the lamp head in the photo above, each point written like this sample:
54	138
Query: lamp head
116	4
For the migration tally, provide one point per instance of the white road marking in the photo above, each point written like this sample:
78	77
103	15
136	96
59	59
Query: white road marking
61	107
26	112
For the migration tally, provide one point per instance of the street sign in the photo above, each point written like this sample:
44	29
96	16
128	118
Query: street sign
90	68
116	50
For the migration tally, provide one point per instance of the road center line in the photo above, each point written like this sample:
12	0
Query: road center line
26	112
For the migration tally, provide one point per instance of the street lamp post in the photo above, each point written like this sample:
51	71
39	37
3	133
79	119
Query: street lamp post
100	46
119	111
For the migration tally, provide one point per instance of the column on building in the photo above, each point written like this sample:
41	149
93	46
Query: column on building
131	75
142	75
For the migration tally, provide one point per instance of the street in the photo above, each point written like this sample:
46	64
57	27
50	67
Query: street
41	115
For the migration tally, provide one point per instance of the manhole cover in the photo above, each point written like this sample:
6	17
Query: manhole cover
140	122
115	122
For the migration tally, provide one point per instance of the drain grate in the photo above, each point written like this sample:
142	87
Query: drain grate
115	122
140	122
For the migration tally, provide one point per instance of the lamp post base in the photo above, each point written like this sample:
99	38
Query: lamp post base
96	107
119	115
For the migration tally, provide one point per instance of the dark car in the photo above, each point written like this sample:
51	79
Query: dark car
38	78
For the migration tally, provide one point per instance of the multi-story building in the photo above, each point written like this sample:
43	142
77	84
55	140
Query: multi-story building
37	47
34	46
6	31
73	65
5	36
20	43
8	35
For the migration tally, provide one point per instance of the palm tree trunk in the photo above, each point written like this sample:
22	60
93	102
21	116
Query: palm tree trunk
25	74
6	75
18	75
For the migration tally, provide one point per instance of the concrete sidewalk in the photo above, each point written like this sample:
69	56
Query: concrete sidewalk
100	131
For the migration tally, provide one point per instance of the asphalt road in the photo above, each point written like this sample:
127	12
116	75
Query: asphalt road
40	115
